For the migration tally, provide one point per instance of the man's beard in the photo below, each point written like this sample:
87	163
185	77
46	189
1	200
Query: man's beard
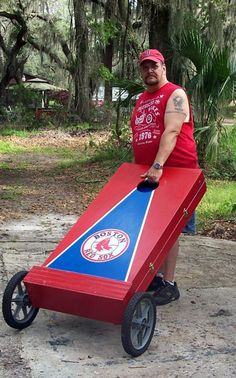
154	82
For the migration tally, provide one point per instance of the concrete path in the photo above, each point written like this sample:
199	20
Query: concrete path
194	337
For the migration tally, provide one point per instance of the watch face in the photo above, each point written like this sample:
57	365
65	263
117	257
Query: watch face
157	166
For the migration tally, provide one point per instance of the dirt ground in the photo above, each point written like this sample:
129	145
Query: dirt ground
32	184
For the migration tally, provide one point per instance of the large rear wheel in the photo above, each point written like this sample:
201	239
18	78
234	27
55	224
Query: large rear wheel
16	307
139	323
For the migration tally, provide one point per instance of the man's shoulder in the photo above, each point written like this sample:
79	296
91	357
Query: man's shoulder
179	91
177	88
173	86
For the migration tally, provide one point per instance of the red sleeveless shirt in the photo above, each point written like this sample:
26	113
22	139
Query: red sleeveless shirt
147	124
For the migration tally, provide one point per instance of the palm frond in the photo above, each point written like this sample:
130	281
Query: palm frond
195	48
132	87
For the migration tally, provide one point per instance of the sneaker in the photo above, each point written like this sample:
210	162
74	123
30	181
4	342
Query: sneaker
166	294
156	284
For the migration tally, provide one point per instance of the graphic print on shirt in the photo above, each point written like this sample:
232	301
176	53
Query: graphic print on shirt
146	123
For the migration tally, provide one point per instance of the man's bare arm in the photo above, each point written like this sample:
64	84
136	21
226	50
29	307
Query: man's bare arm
177	112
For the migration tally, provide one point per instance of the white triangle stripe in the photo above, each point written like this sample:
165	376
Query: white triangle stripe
139	236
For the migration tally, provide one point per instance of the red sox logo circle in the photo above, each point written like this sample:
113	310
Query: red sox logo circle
105	245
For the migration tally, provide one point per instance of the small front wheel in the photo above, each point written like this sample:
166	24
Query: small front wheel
16	307
139	323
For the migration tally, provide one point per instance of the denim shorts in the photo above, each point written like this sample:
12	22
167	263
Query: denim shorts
190	227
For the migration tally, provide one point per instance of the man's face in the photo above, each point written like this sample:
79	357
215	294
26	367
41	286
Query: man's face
152	72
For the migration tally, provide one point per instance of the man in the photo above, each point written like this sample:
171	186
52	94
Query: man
162	127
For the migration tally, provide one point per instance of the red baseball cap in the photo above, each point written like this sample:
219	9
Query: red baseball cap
151	54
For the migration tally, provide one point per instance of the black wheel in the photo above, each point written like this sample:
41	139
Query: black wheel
16	307
138	324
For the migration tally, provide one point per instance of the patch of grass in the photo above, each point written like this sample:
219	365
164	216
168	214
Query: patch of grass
5	166
10	194
15	132
72	162
69	157
14	164
219	202
68	164
64	152
11	148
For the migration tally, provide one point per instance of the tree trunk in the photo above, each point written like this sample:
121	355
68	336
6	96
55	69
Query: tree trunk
159	37
123	51
81	62
109	49
108	57
12	65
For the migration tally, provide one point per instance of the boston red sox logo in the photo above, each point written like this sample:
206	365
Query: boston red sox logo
105	245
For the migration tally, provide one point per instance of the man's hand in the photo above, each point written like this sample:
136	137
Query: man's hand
153	174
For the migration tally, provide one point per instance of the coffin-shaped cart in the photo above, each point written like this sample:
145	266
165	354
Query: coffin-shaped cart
104	265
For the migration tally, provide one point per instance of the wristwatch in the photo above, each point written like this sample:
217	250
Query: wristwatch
157	166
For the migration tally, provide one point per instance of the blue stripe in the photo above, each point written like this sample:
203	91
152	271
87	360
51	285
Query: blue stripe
127	217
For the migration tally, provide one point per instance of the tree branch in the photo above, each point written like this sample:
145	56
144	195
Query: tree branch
3	45
65	48
12	64
47	51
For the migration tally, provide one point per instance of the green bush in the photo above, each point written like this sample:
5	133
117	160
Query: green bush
225	166
113	150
